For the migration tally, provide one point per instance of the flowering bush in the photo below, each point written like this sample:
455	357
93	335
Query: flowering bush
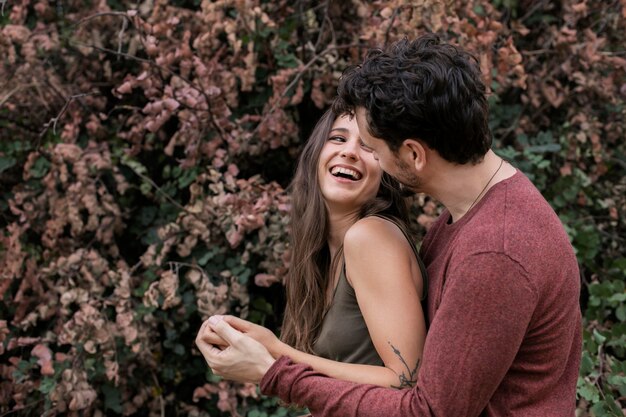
145	148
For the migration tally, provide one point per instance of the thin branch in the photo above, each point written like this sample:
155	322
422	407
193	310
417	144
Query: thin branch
612	53
214	121
10	93
20	124
56	119
297	78
134	268
93	16
618	161
120	37
176	266
333	35
314	8
503	133
166	69
393	18
160	190
598	383
325	19
122	54
27	405
40	93
538	52
614	236
162	402
602	19
123	107
532	10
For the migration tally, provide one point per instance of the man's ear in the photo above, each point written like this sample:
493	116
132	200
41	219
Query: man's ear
414	153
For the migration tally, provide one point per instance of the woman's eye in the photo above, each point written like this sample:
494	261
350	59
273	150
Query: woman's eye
337	139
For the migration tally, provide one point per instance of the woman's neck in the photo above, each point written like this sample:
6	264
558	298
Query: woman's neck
339	223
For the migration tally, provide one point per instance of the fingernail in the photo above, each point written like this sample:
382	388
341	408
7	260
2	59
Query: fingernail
215	319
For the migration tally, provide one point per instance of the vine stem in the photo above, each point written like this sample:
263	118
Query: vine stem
163	193
297	78
56	119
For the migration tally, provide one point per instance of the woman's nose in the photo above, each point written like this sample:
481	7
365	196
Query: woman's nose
349	151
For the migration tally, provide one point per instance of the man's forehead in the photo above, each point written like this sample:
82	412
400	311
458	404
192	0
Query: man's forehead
361	121
361	114
366	137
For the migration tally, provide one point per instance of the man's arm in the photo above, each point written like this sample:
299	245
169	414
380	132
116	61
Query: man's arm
473	339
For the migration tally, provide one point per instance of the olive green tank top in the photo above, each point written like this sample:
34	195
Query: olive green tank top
343	335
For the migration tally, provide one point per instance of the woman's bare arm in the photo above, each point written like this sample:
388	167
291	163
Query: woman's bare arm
387	281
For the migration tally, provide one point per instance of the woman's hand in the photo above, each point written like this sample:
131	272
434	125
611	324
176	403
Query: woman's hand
240	358
259	333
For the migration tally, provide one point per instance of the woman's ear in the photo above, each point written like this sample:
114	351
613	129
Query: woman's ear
414	153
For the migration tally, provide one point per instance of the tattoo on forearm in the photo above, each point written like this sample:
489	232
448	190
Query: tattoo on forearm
408	378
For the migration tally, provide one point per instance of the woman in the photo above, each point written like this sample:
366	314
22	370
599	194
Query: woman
355	282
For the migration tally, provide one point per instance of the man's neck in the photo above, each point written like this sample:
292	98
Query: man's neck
460	187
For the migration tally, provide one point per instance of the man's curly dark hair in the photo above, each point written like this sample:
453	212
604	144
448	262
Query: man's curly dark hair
422	89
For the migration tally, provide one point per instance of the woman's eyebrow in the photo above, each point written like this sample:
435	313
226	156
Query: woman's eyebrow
341	129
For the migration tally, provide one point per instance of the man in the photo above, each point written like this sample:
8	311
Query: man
505	333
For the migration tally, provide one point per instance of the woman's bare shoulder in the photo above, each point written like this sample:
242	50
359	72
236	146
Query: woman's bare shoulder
374	230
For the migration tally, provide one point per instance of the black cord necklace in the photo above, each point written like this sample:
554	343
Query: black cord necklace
486	185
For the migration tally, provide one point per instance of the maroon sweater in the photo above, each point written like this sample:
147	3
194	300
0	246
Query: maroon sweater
505	324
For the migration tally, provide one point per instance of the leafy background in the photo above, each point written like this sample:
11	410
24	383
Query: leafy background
145	147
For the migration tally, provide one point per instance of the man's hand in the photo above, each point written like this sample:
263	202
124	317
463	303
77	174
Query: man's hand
243	360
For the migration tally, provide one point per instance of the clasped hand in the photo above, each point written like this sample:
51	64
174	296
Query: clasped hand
237	349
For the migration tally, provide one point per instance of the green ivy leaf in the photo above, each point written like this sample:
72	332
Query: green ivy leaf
179	349
207	257
187	177
599	338
40	168
112	398
6	163
586	364
587	390
47	385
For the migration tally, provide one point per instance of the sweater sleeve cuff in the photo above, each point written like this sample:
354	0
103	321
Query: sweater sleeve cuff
269	382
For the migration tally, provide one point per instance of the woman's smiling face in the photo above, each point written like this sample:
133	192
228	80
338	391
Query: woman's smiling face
348	174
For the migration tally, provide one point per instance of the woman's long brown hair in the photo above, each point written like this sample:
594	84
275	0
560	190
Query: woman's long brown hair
308	277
